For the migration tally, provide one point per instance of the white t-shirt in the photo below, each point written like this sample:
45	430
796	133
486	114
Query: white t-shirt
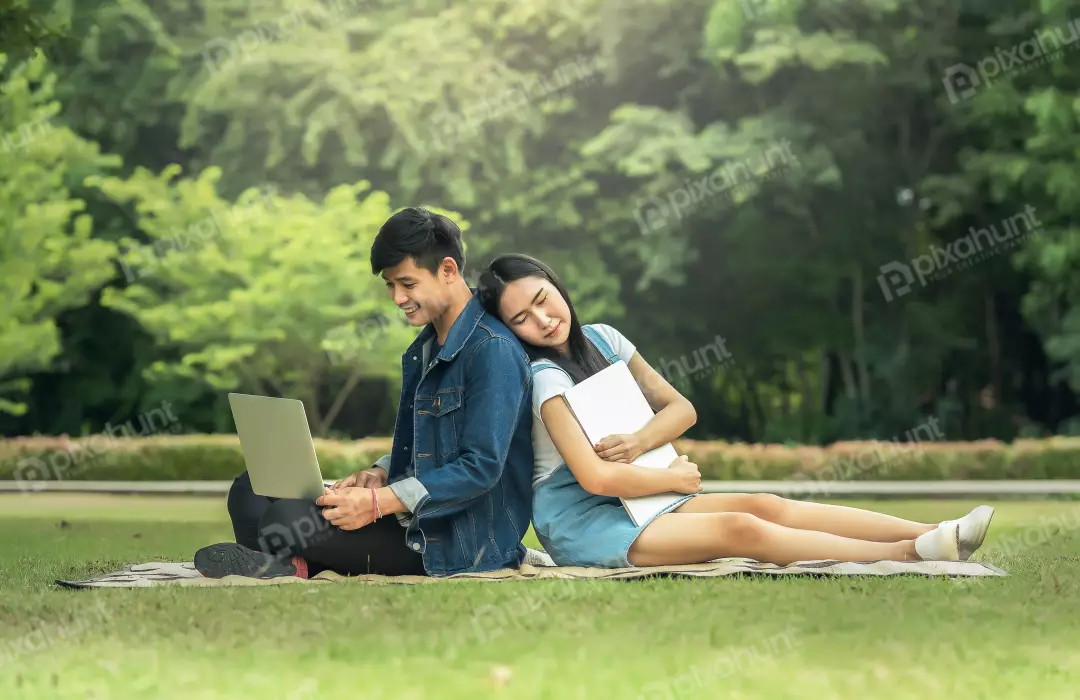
551	382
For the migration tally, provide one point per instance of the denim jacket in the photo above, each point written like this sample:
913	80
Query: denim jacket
462	457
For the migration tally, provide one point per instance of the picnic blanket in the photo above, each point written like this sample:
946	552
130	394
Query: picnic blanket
539	566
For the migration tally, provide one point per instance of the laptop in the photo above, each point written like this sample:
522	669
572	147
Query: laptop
611	402
277	446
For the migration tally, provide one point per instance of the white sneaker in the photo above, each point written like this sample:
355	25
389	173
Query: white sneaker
973	527
940	544
538	557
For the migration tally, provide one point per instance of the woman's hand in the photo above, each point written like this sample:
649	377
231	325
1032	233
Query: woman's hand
350	508
620	448
373	478
685	476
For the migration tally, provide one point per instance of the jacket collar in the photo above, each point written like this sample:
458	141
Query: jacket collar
459	332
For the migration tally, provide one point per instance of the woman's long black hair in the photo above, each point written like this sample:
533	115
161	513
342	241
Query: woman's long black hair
584	359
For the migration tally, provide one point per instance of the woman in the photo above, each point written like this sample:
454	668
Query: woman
576	510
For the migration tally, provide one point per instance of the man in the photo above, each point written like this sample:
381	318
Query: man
457	484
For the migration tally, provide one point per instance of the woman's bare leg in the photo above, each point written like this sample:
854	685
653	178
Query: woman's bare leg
692	538
802	515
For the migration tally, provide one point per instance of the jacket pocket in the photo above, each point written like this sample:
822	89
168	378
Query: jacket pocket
446	409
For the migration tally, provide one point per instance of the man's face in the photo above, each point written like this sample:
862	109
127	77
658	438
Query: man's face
420	294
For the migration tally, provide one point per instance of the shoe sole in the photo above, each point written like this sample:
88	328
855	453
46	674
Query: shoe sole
980	535
231	559
954	555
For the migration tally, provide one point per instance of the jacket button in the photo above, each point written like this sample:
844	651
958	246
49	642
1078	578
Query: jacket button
414	357
416	546
406	448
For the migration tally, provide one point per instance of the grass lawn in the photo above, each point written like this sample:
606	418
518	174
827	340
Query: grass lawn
733	638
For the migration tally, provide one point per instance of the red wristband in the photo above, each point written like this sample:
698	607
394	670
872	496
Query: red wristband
375	504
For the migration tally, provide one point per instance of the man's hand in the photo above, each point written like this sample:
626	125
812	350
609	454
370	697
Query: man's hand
620	448
350	508
373	478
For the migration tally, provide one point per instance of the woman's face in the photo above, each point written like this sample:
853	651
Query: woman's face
535	311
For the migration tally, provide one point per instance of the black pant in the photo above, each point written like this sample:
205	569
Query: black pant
286	527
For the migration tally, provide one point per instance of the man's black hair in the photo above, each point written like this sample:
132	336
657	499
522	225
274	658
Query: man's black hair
423	235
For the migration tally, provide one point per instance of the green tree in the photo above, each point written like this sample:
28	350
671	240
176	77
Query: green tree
26	29
271	294
1017	169
48	261
559	129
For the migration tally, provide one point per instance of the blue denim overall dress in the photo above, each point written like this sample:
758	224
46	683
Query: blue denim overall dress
578	528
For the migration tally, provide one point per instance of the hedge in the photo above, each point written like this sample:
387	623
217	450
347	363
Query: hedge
162	458
218	457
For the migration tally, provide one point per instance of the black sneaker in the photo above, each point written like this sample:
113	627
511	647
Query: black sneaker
232	559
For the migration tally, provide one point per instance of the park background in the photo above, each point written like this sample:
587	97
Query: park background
845	229
822	221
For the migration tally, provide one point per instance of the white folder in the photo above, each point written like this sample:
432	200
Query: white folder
608	403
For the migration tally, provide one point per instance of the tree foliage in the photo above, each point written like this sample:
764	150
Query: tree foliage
261	295
766	171
49	261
